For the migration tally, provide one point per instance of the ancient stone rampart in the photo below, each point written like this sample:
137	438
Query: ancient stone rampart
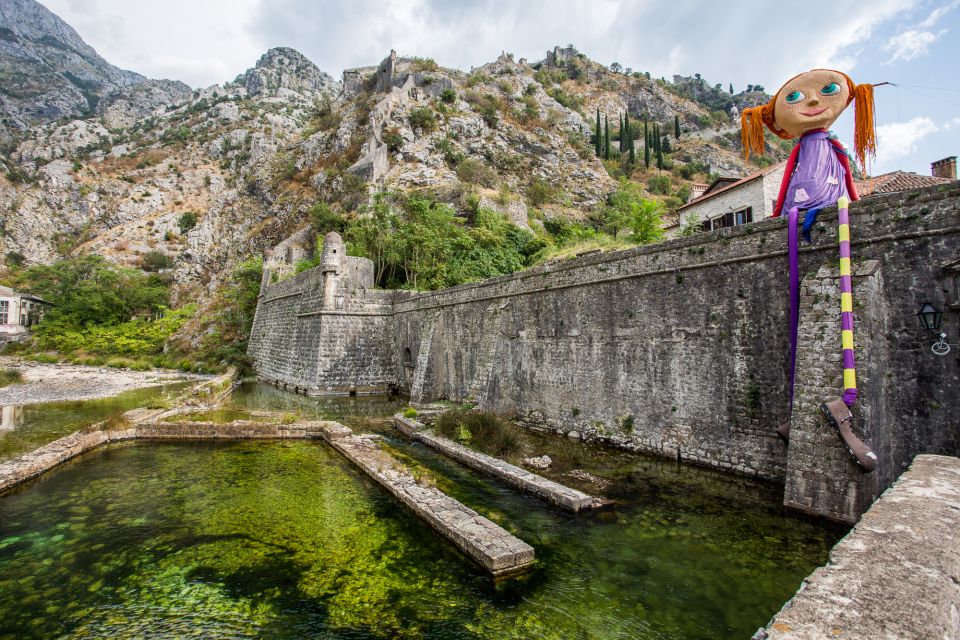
678	349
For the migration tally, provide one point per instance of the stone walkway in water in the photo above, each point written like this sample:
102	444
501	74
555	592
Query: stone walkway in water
552	492
487	543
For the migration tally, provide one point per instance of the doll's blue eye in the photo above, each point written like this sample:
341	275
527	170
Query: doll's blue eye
831	89
794	97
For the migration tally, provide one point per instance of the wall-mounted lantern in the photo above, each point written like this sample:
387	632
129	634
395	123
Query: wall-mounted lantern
932	319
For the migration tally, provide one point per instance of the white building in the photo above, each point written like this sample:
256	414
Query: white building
728	203
18	312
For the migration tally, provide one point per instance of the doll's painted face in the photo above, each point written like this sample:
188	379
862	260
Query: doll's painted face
812	100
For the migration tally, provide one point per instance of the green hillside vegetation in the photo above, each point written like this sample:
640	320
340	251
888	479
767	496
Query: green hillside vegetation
417	242
102	314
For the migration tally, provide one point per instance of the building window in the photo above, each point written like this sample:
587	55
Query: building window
743	216
4	311
731	219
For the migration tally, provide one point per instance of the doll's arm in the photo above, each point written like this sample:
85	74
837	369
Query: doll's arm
787	174
848	174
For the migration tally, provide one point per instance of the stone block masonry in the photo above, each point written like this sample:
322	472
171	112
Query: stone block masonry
536	485
896	575
678	349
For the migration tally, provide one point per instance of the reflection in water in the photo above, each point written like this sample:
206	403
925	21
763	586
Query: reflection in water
34	425
11	417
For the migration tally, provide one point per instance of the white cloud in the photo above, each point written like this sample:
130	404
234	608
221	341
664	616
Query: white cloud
200	43
213	40
938	13
911	44
897	140
915	41
950	124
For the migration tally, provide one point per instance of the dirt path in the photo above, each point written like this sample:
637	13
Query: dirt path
56	382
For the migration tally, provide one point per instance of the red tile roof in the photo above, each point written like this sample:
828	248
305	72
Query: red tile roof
750	178
896	181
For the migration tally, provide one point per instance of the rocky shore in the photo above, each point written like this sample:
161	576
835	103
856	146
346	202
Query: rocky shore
59	382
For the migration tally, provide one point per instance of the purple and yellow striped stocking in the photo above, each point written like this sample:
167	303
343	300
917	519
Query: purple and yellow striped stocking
846	299
846	304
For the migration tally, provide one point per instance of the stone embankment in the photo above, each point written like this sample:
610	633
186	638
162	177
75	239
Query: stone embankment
548	490
896	575
483	541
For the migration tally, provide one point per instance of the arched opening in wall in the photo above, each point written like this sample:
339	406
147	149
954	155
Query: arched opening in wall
353	393
407	357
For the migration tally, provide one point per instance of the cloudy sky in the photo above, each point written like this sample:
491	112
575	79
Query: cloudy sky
914	43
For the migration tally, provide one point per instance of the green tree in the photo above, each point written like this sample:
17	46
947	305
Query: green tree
323	219
621	137
598	140
665	144
676	126
187	221
606	137
88	290
657	145
731	88
646	145
630	209
155	261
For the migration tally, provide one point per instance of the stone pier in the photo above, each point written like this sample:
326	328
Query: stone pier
488	544
548	490
896	575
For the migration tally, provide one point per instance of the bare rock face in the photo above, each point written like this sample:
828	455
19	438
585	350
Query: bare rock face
283	68
46	70
123	107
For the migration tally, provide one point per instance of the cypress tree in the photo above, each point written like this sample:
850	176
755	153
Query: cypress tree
633	157
597	139
665	145
676	126
606	137
731	88
655	138
626	132
646	145
620	136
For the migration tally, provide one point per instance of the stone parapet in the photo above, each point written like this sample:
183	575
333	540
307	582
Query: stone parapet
896	575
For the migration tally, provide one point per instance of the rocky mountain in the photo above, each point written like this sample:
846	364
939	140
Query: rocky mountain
206	178
48	72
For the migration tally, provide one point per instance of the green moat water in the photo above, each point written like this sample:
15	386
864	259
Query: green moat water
26	427
288	540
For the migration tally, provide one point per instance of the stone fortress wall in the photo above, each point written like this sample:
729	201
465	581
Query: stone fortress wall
678	349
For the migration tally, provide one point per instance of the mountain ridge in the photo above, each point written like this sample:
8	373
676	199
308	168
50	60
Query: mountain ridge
247	160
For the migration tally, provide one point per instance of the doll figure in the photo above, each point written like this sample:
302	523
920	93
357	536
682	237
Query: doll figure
818	175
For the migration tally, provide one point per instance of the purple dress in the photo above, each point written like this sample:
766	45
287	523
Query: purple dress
819	178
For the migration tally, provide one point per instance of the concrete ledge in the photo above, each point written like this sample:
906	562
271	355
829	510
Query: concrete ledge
896	575
488	544
553	492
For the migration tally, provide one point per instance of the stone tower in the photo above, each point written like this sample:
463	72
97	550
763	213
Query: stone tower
331	266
